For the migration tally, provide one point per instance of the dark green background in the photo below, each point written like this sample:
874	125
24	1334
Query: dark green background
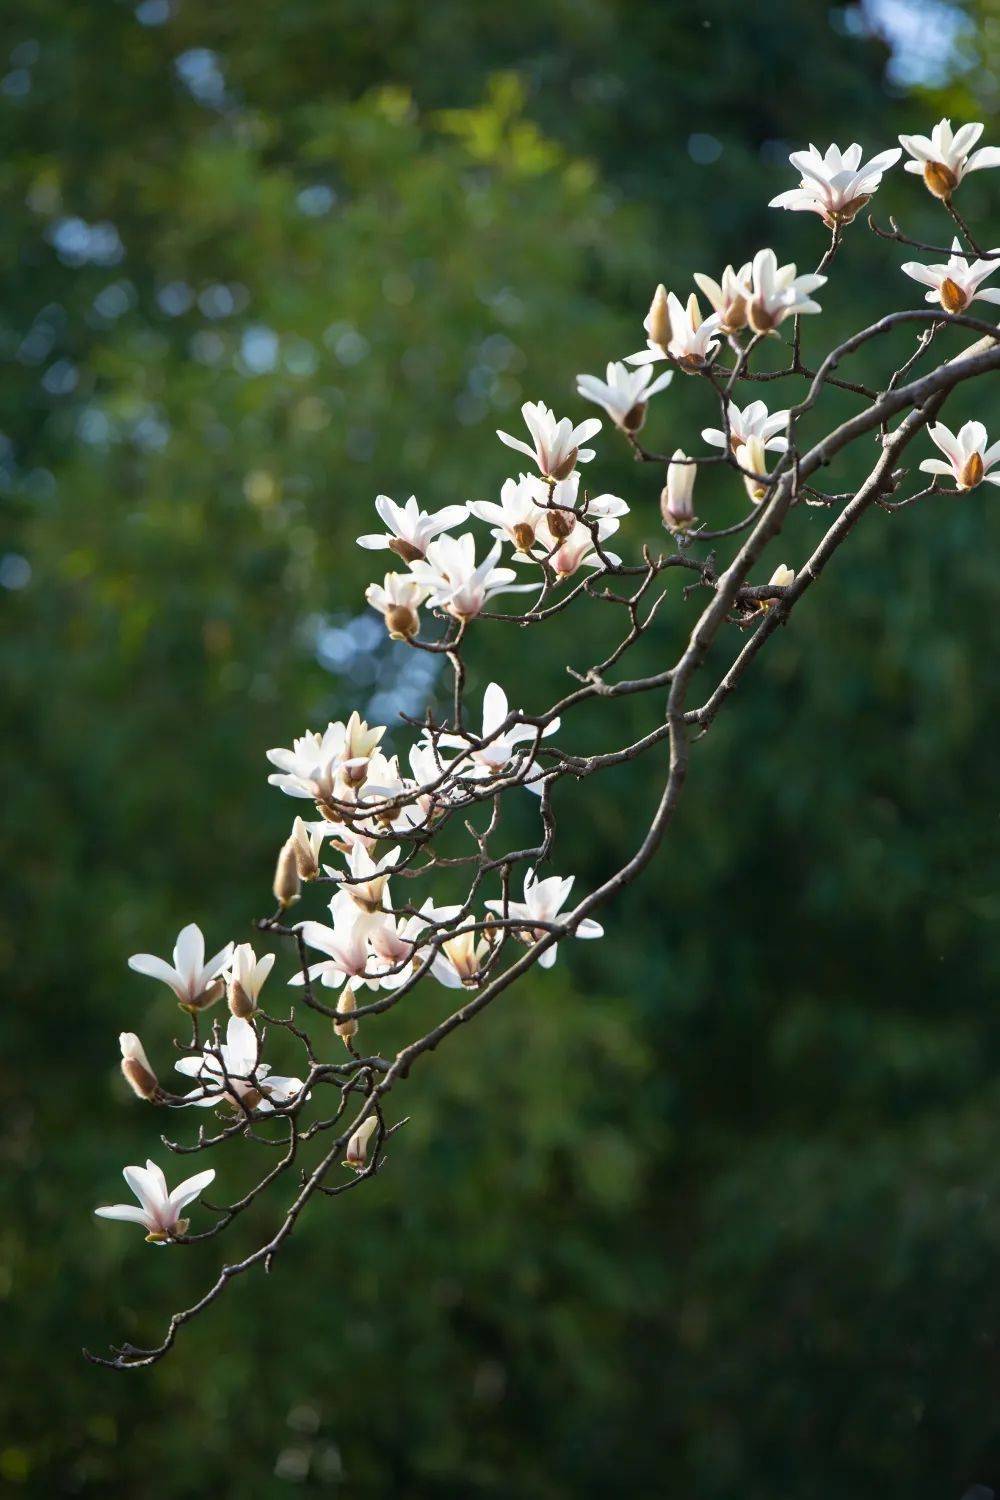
714	1209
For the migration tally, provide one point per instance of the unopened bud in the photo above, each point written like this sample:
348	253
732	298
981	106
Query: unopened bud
286	876
940	180
346	1030
356	1155
782	576
561	523
657	322
305	858
135	1067
953	299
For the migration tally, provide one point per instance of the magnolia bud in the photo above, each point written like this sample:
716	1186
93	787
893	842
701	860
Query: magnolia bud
346	1030
305	859
657	323
286	876
561	523
677	495
356	1155
940	180
783	576
135	1067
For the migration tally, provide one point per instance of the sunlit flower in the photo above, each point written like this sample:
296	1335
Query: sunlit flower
398	600
677	498
232	1072
692	340
728	299
753	421
625	393
159	1211
344	947
578	549
969	459
556	448
835	185
316	762
454	582
776	293
397	944
245	979
543	902
943	159
518	515
410	528
195	982
493	753
136	1069
956	283
459	961
369	877
753	457
356	1155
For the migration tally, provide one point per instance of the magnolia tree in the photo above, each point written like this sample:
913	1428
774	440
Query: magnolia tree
378	828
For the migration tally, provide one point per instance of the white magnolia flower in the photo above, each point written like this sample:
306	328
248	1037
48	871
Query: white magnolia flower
232	1072
943	159
317	762
493	753
192	980
159	1211
459	961
563	508
345	946
835	185
969	459
410	528
692	340
677	498
368	877
753	421
543	902
556	448
245	979
782	576
728	298
423	797
454	582
519	513
356	1155
776	293
577	549
136	1069
397	944
398	600
956	283
625	393
753	457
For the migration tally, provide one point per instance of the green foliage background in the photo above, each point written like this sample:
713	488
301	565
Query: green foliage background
712	1210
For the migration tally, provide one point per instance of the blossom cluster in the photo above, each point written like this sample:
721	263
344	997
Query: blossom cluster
368	813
